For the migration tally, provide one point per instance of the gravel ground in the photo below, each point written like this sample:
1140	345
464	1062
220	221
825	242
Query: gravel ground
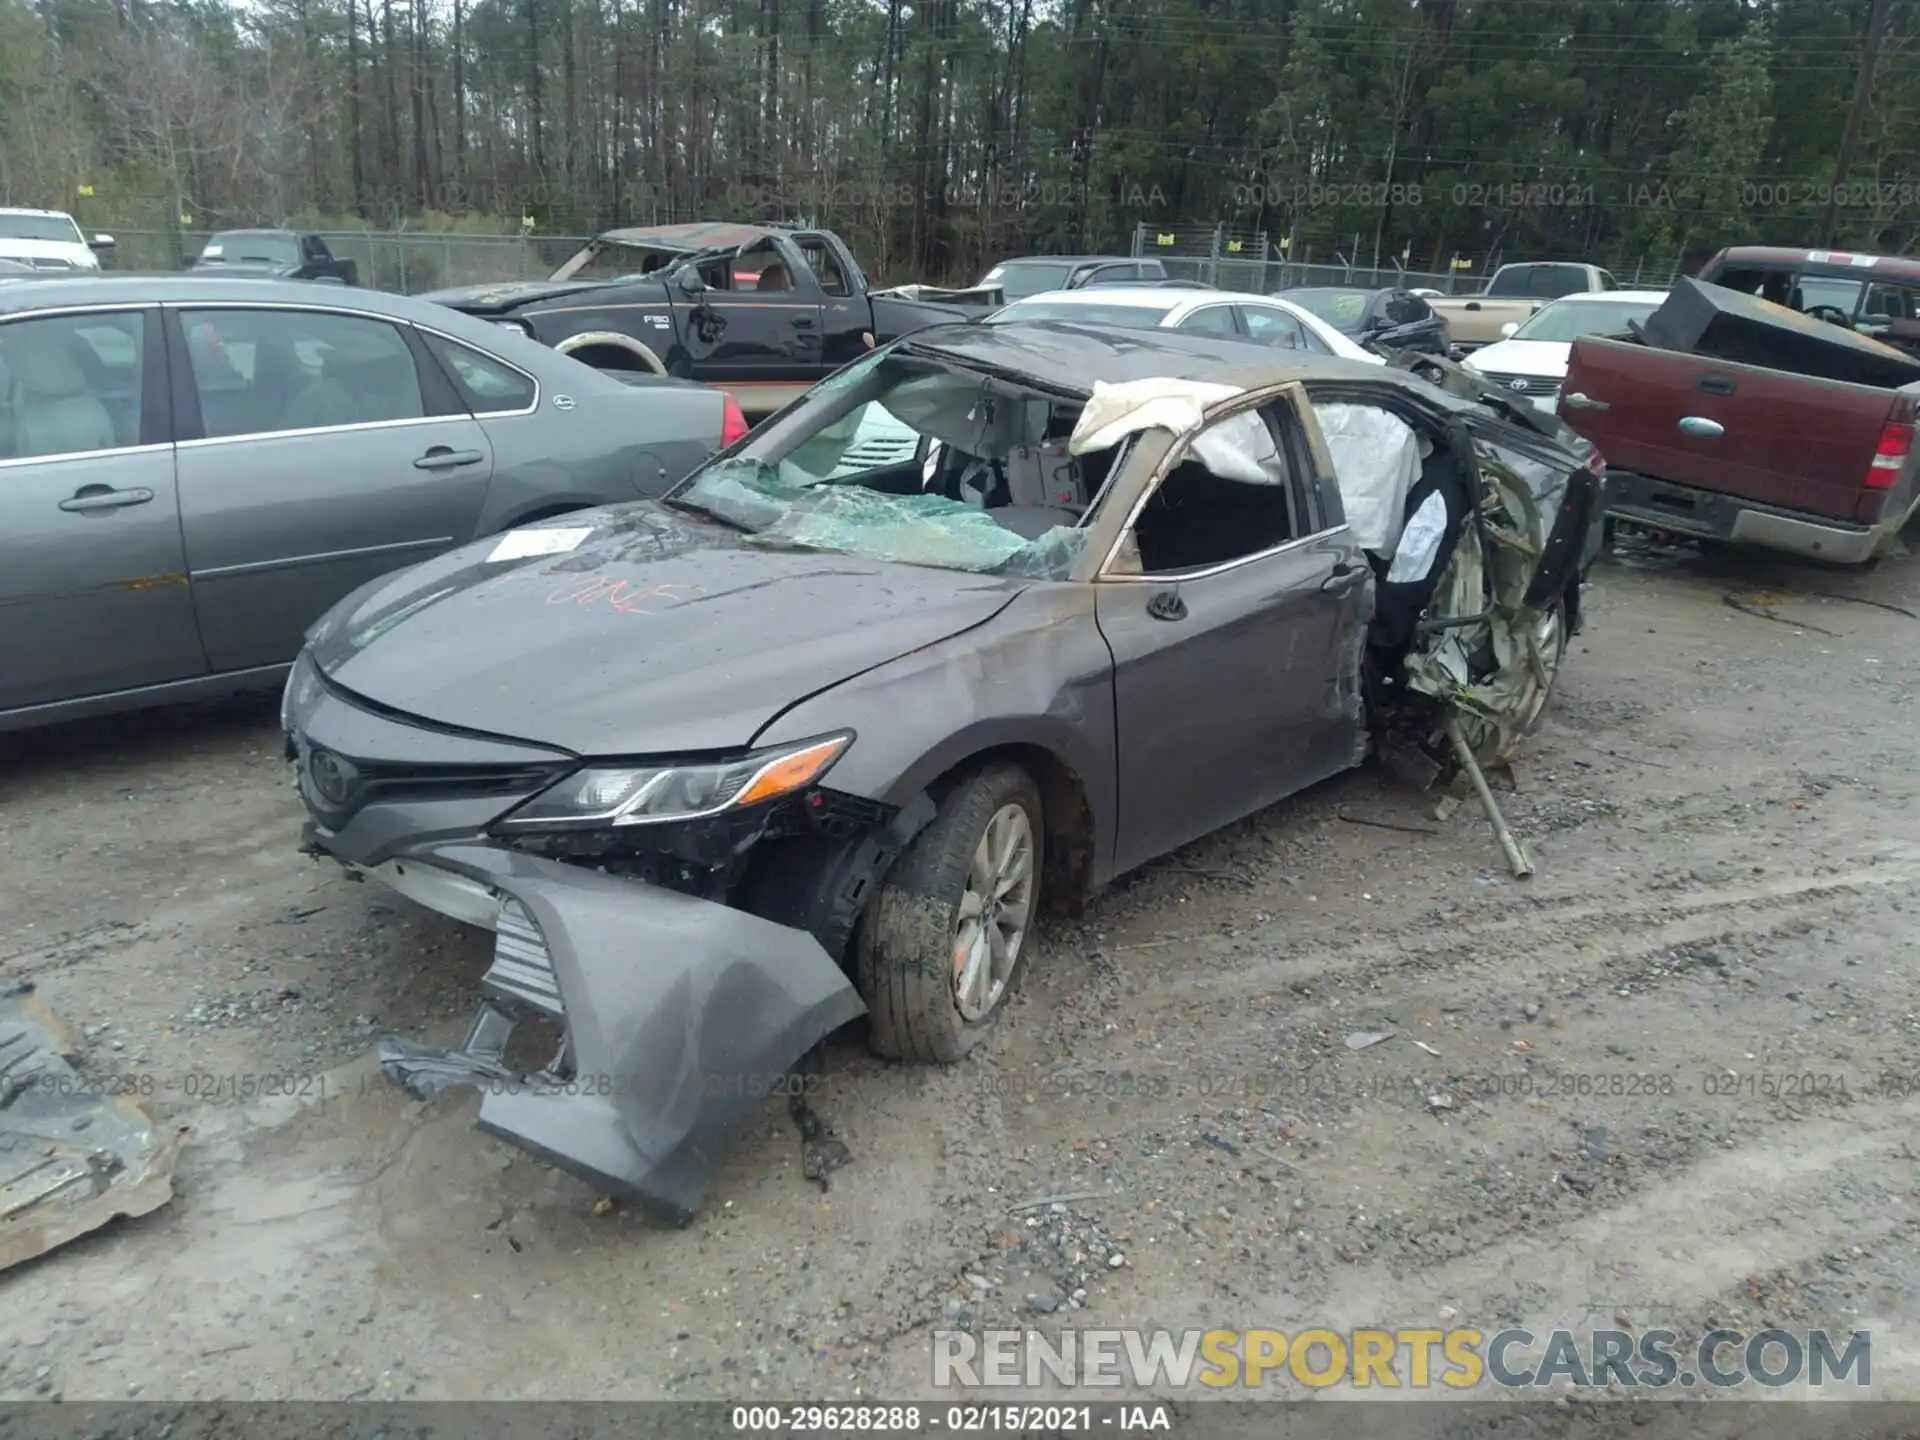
1589	1109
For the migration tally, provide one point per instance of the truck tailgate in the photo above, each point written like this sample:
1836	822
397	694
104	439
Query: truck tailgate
1775	438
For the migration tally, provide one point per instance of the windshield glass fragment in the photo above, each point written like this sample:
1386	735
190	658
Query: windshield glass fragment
910	461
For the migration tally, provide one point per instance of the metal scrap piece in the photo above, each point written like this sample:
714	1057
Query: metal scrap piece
73	1155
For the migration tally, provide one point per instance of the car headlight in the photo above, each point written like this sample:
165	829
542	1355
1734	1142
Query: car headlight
613	795
302	682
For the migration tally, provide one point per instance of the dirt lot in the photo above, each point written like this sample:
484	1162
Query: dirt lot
1722	809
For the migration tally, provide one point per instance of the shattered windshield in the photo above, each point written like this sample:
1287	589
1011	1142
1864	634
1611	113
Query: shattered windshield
904	459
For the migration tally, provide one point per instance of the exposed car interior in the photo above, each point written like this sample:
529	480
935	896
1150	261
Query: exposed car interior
1206	512
984	444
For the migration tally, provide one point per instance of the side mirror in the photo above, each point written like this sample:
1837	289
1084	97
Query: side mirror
101	242
1507	329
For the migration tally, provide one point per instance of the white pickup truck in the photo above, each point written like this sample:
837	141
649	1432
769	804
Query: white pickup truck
1513	294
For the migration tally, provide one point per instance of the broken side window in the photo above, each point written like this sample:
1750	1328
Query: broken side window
1230	495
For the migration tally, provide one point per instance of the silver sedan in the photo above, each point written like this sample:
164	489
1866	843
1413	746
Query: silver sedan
193	470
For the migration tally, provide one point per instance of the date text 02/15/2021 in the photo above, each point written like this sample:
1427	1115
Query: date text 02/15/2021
954	1419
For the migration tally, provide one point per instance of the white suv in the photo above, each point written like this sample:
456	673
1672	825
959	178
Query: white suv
48	240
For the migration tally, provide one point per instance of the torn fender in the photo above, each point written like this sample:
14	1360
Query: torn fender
681	1015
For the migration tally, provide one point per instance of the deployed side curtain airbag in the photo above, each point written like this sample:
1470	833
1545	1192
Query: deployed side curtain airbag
1376	460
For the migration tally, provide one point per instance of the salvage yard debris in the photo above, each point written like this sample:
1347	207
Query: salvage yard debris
73	1155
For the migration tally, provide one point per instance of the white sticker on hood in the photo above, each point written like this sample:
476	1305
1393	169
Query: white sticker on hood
212	252
523	544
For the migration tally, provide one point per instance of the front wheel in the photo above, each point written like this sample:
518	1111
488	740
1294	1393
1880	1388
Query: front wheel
940	950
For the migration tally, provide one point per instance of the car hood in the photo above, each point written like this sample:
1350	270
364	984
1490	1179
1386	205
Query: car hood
653	633
66	250
1545	358
510	295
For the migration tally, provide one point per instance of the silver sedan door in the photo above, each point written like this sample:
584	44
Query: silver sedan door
93	592
328	449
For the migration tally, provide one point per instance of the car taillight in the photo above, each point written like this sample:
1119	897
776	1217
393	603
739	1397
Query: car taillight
1890	456
734	426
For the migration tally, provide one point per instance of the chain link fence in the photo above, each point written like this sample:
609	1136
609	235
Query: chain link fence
408	262
1249	260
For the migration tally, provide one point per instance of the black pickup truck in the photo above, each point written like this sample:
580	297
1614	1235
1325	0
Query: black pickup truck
273	255
762	311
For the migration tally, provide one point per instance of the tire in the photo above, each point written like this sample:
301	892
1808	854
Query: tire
906	950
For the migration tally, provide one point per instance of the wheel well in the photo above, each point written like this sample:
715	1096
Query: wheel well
610	357
1068	877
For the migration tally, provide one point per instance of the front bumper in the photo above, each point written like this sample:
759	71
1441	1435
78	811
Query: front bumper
1712	515
678	1014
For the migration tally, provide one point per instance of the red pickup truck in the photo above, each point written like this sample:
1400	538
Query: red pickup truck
1768	402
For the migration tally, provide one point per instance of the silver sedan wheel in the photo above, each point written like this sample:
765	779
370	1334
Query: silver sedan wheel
994	909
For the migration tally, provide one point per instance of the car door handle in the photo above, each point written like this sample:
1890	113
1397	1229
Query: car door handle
803	322
104	497
1716	384
1700	425
1342	577
442	457
1578	401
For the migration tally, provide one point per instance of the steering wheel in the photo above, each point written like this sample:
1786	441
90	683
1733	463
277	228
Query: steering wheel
1832	314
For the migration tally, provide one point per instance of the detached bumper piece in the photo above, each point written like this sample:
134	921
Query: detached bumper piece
73	1155
678	1016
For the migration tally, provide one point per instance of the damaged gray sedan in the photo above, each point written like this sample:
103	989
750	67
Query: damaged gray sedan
989	617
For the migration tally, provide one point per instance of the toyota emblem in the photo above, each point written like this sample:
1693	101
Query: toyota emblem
332	777
1516	383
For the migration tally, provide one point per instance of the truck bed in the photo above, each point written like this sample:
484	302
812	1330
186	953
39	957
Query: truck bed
1721	449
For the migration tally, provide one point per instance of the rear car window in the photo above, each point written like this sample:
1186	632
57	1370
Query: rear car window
486	384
